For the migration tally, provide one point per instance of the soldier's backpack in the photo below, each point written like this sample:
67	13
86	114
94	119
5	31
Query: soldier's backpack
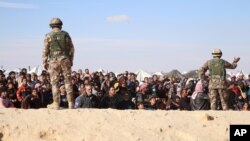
59	44
216	68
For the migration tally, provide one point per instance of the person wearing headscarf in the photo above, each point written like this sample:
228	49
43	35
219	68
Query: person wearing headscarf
199	99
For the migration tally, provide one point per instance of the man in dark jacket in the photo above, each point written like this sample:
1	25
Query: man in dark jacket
185	100
126	103
110	100
87	101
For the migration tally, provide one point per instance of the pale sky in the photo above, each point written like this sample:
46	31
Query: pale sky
118	35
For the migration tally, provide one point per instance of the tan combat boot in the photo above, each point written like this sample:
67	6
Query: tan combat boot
71	105
54	105
70	100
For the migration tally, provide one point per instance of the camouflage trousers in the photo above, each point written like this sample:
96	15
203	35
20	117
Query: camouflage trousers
215	95
55	68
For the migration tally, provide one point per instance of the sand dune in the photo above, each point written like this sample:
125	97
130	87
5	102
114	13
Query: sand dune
115	125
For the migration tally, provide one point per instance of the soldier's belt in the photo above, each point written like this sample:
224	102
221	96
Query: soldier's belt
56	53
216	77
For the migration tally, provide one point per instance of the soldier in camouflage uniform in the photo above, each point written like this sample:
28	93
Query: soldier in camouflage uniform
217	78
58	54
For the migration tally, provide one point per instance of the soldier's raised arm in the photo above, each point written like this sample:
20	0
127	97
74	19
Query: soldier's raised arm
233	65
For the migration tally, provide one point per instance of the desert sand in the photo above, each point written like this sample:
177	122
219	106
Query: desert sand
117	125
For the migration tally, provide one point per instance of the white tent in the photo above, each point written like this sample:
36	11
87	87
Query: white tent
158	74
17	70
242	72
37	70
116	73
239	73
6	72
101	70
230	74
141	74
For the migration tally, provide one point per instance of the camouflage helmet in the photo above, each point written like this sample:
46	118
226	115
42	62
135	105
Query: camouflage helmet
217	52
55	22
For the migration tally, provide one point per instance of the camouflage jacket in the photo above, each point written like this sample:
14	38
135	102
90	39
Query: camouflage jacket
216	81
49	53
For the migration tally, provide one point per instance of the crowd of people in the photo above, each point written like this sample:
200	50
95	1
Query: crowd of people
98	90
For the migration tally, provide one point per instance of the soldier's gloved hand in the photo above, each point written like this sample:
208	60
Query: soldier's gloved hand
236	59
46	66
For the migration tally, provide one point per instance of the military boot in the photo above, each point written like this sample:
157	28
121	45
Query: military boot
54	105
70	101
71	105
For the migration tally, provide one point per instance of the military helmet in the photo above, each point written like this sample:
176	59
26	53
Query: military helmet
217	52
55	22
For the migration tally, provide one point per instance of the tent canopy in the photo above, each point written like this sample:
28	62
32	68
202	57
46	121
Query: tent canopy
158	73
37	70
191	74
141	74
174	74
101	70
